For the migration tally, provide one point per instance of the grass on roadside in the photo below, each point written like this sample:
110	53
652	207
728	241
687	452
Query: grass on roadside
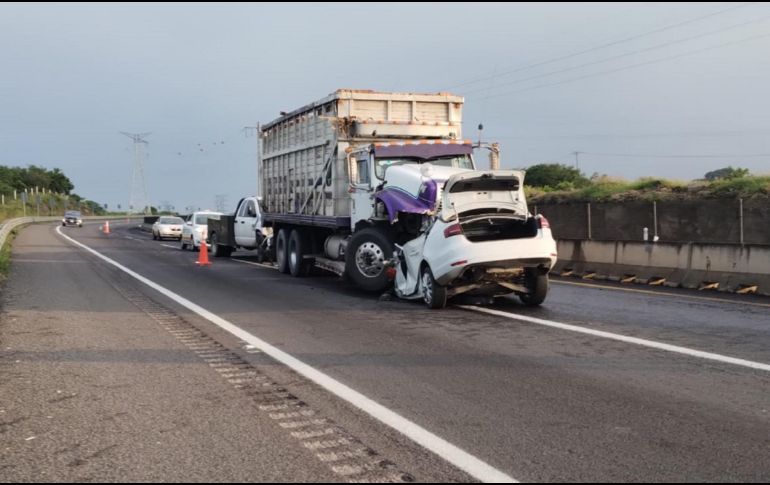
5	256
602	189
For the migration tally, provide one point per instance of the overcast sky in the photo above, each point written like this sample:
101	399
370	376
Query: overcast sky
657	79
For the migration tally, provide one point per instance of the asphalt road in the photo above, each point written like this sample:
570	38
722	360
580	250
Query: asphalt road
537	403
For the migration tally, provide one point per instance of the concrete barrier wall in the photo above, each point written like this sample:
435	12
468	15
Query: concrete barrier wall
7	226
726	267
702	221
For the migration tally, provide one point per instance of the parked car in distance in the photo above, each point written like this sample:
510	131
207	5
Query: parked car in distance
167	227
195	229
72	218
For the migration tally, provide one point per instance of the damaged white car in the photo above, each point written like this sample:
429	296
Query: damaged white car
483	241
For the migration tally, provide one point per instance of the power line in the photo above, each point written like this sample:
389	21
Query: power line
632	66
619	56
603	46
638	155
685	134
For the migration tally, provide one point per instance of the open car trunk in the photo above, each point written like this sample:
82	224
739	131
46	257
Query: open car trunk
489	205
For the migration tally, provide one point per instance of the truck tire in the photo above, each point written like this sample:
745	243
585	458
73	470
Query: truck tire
219	250
538	286
298	247
366	258
282	251
434	295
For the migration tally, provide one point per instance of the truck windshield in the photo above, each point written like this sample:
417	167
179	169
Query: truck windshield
459	161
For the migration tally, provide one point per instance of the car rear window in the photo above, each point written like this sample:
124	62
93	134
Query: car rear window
202	219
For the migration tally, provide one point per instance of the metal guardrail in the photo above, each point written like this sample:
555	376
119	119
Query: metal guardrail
9	225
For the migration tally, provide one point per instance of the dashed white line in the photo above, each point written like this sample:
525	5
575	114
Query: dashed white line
624	338
169	246
446	450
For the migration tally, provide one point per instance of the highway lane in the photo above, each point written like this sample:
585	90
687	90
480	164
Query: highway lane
94	389
538	403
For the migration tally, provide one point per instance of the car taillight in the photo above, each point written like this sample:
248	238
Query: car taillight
453	230
543	223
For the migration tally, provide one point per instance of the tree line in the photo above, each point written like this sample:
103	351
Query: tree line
40	180
19	178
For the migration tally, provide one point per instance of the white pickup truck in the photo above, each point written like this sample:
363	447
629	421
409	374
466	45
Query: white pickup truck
243	229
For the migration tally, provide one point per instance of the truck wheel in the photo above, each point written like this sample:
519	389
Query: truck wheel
538	287
365	259
218	250
282	251
297	249
434	294
182	244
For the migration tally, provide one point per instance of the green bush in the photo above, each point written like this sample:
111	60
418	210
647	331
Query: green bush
554	175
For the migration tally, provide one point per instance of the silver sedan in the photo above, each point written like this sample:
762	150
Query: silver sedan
167	227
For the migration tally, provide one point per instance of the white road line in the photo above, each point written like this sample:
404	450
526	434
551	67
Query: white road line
255	264
446	450
169	246
623	338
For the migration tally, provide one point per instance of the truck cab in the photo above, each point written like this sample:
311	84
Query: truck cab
248	222
378	193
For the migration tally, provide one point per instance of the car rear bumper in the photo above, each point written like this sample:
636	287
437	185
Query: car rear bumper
451	258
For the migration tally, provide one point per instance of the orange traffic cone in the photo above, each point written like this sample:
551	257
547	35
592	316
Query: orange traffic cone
106	227
203	257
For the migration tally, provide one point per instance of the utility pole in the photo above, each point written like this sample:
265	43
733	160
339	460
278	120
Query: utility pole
220	202
257	130
138	196
577	160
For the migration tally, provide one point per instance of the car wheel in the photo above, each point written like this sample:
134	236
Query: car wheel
537	284
434	295
217	250
182	244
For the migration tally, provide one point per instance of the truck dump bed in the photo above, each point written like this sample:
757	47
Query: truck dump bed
303	166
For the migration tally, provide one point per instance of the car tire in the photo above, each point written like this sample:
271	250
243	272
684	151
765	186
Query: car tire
218	250
538	286
298	266
282	250
434	294
182	244
365	261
